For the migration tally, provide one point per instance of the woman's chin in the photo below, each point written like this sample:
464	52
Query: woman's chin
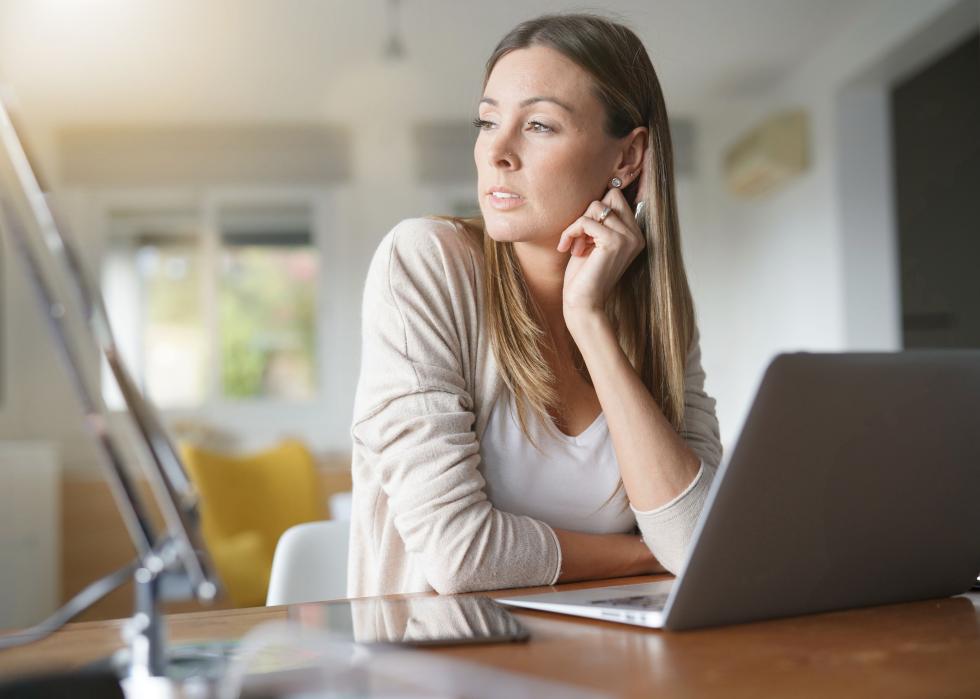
505	229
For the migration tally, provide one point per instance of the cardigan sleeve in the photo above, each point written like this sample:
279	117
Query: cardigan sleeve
667	530
414	415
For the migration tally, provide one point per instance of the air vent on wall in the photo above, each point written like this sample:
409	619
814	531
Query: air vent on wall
444	152
682	139
768	156
132	156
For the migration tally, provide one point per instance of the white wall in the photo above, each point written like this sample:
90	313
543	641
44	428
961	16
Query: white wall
24	343
813	265
41	404
382	190
808	267
30	539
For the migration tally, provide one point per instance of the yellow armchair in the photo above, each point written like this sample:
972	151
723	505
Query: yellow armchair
247	502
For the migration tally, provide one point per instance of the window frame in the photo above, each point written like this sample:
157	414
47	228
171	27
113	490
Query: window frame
206	206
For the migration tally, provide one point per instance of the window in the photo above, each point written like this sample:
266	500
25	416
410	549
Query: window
216	304
267	303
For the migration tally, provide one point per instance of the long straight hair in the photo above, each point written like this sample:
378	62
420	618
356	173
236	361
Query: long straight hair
651	307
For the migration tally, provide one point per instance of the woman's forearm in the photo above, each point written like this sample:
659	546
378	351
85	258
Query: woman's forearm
654	461
598	556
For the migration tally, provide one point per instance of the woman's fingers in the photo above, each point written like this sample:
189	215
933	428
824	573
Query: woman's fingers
617	223
584	228
625	218
614	199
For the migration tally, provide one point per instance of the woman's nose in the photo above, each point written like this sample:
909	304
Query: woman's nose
502	153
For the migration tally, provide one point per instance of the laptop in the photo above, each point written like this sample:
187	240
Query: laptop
855	482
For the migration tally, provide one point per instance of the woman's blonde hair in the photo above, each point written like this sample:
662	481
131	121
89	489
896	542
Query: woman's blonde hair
651	307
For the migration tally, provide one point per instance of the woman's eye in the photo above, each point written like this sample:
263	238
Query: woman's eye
535	126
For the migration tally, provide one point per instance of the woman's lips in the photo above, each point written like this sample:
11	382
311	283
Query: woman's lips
505	203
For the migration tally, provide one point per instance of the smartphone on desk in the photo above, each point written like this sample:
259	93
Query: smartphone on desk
414	621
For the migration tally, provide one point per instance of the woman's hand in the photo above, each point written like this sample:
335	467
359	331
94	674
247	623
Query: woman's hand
600	254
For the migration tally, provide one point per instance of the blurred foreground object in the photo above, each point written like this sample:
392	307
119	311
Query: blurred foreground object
170	563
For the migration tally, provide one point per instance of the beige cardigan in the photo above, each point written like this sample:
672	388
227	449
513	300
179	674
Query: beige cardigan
421	520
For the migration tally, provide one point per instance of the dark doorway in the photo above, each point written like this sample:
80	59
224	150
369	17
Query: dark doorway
936	132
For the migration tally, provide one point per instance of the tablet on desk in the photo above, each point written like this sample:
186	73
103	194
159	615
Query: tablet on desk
414	621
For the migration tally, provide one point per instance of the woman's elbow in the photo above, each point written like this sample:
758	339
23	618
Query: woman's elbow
446	581
671	558
670	548
452	575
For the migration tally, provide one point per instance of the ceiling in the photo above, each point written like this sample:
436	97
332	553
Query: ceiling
80	61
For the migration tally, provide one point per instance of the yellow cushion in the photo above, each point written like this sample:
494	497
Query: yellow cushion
258	495
240	561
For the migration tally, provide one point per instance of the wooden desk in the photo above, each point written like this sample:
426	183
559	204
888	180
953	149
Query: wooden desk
920	649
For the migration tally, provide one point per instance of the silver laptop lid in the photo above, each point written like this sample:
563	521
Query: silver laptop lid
855	481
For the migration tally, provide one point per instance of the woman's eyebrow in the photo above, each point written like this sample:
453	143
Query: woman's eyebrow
531	100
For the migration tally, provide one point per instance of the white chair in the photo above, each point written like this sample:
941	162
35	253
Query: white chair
310	563
340	505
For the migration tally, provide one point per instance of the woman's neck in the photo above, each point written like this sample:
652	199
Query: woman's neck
543	268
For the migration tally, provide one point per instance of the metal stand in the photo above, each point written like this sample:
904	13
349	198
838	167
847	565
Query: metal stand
143	666
147	667
172	564
145	632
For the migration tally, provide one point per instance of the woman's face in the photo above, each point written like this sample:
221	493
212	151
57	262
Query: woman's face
541	137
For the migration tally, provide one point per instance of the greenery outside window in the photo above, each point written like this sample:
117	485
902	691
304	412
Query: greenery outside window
220	312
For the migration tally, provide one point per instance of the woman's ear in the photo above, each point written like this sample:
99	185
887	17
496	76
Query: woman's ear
630	166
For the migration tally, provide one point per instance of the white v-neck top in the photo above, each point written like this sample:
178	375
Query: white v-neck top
421	519
570	483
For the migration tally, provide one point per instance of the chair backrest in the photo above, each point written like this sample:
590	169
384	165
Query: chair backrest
247	502
310	563
267	491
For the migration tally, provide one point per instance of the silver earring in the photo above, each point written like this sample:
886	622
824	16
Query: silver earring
616	182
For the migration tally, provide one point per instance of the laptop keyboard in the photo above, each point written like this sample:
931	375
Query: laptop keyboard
652	602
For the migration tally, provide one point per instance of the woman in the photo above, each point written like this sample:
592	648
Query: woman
531	389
